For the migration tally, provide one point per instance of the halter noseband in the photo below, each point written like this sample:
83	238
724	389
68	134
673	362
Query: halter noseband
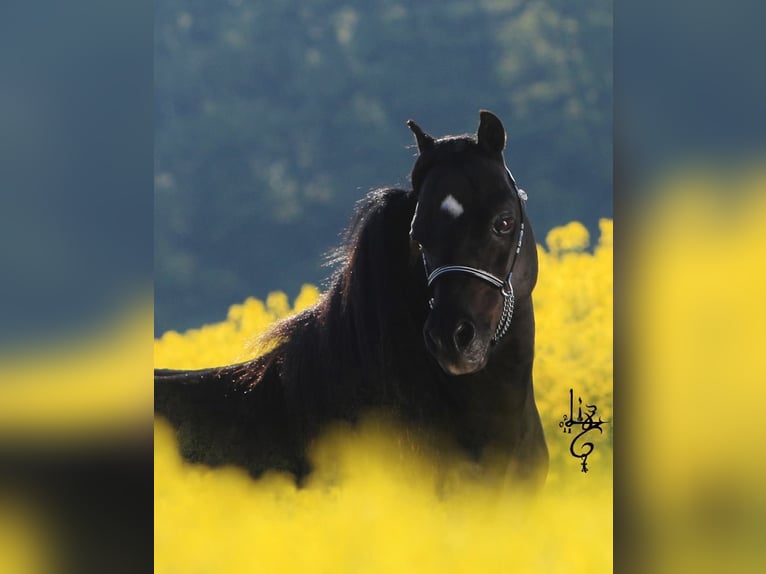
506	287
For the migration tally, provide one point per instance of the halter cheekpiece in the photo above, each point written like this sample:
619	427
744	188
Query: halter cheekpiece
506	287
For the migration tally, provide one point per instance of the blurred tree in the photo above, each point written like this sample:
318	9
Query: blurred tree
273	118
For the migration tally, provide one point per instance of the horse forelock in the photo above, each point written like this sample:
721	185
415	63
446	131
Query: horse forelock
449	150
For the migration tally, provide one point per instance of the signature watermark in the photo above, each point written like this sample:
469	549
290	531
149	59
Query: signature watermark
581	450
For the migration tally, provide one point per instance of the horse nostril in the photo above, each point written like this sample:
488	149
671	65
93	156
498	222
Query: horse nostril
463	335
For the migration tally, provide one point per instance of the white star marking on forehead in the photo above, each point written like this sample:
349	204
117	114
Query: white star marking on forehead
452	206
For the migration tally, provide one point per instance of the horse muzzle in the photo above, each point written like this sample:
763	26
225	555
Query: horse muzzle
459	347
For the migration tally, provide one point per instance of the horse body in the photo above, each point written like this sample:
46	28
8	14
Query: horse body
369	342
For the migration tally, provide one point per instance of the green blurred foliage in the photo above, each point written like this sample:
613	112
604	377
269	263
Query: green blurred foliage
273	118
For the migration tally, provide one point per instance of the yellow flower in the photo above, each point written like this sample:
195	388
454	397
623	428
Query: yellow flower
570	237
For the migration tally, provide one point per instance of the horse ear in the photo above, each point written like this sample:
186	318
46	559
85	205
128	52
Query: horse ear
491	133
424	140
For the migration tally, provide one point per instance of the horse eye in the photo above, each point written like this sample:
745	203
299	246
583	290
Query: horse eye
503	224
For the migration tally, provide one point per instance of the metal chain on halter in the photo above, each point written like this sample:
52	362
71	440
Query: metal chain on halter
506	287
505	320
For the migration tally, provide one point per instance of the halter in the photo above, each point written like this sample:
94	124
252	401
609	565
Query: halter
506	287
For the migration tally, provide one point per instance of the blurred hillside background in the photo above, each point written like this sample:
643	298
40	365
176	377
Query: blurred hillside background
273	118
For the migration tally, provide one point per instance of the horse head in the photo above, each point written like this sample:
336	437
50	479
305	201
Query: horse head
478	250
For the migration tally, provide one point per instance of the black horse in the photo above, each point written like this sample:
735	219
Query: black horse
429	315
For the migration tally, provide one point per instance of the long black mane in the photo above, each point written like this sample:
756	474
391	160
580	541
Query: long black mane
360	346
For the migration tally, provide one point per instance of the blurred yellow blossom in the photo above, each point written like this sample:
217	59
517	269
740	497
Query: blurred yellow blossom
573	236
232	340
696	293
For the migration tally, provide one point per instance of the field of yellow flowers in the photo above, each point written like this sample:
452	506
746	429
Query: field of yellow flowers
369	507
